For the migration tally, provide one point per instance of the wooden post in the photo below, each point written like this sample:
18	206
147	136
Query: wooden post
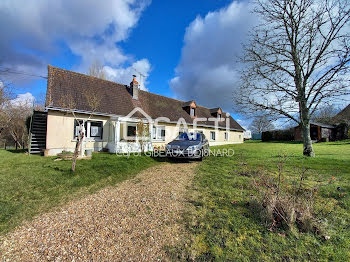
319	135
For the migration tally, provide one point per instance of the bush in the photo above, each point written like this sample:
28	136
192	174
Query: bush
278	135
285	206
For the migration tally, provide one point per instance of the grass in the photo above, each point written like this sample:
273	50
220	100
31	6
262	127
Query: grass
224	228
31	185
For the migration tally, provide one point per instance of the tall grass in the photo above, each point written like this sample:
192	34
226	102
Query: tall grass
222	226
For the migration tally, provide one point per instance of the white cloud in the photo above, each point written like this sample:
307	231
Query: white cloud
208	69
25	100
123	75
91	29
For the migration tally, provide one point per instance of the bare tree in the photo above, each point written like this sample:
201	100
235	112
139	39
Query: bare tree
261	124
325	114
296	60
96	69
143	134
67	101
13	117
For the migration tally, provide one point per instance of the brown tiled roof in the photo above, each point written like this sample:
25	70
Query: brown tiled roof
343	115
115	98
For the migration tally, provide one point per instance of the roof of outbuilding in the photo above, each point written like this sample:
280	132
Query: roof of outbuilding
116	100
343	115
321	124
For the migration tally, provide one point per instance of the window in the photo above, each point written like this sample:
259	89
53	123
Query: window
226	136
93	129
212	135
131	132
192	111
96	129
219	116
77	127
158	133
240	137
182	130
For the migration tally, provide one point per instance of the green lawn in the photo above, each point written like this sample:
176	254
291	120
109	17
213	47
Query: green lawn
223	227
30	185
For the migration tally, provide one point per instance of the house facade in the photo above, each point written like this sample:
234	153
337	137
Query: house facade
112	124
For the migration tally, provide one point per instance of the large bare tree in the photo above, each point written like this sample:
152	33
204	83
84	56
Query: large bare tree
96	70
261	124
296	60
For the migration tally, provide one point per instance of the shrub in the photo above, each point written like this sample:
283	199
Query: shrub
283	205
278	135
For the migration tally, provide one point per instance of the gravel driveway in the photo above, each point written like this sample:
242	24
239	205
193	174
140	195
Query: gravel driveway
132	222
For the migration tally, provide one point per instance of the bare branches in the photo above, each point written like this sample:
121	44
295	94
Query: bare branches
261	124
297	58
96	70
301	50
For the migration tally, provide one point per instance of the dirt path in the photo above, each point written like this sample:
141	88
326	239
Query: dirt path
132	221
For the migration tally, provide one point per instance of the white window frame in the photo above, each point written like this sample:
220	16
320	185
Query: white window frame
211	138
192	111
183	130
226	136
157	133
87	131
126	135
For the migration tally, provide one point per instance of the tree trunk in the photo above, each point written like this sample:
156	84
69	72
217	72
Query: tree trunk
308	149
75	156
76	151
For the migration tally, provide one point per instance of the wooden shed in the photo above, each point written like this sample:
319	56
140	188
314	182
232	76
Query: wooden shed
318	132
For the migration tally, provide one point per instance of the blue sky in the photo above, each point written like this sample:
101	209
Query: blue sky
186	49
159	37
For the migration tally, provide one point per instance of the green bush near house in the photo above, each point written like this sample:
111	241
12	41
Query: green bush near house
30	185
222	226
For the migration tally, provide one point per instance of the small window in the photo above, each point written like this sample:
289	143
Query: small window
154	133
93	129
226	136
192	111
131	132
212	135
158	133
96	129
183	130
219	116
240	137
77	127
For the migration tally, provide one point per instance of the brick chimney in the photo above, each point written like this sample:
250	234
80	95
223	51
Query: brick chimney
134	88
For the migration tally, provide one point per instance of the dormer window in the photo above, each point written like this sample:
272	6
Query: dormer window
216	112
190	108
192	112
